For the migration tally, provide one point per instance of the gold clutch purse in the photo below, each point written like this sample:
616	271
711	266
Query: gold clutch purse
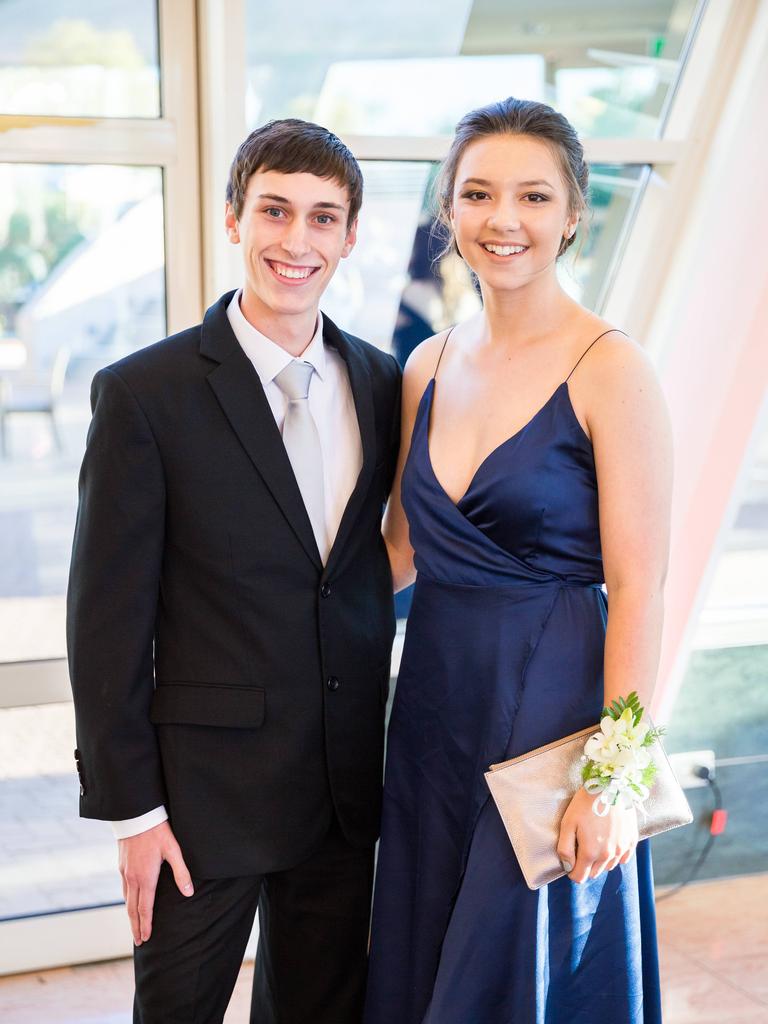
533	791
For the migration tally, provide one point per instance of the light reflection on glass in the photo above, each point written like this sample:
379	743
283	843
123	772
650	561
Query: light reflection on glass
79	58
81	284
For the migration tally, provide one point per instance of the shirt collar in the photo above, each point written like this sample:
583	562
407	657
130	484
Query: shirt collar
267	356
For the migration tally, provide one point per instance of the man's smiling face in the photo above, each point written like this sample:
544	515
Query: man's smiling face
293	231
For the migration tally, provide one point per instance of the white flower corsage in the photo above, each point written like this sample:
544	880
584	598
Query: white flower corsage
618	767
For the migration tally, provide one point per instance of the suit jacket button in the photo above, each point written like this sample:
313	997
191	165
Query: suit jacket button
333	683
325	590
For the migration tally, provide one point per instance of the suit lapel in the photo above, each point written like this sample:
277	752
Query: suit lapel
362	393
239	391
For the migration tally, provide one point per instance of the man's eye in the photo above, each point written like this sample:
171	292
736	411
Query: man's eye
274	211
325	218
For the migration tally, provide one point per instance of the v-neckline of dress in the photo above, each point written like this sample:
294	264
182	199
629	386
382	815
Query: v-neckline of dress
430	390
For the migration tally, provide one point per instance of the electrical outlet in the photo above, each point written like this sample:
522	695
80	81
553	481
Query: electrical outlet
684	766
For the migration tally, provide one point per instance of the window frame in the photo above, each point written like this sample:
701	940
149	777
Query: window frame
172	143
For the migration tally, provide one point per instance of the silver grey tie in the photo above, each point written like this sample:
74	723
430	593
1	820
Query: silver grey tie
302	443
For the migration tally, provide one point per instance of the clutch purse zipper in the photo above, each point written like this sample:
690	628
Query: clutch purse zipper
555	743
547	746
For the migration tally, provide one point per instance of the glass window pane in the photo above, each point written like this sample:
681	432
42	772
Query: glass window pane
722	705
365	294
414	69
586	269
49	859
82	283
79	58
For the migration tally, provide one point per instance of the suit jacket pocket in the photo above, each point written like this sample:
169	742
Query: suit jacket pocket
182	703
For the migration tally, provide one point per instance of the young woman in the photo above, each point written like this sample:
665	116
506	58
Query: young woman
535	467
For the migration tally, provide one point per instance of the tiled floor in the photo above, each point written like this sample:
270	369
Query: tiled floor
714	948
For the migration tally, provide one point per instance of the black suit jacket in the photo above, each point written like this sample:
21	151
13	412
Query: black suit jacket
216	666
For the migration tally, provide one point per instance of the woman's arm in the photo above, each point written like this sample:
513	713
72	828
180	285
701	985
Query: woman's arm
416	375
631	436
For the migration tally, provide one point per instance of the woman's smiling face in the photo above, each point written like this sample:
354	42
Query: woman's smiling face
510	209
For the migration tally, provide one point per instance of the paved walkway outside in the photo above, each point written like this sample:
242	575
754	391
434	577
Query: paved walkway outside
50	859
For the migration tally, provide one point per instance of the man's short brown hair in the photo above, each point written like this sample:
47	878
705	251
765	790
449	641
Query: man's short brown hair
291	146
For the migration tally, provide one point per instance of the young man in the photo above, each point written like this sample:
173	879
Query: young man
230	614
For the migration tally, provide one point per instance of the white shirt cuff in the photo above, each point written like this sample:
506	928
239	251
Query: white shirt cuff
133	826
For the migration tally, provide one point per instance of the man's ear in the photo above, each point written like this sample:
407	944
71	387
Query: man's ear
230	222
349	241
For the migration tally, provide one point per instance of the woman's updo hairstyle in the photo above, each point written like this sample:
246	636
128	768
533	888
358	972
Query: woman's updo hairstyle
516	117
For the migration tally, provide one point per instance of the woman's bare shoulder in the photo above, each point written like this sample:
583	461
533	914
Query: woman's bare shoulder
427	352
613	355
422	362
617	387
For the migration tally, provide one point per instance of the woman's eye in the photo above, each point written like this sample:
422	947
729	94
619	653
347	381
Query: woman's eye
475	195
537	196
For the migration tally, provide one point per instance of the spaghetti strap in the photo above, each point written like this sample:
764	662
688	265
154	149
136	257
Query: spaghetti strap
612	329
450	332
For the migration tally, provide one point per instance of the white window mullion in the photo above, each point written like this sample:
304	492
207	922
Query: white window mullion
431	148
82	140
648	260
181	177
23	683
222	68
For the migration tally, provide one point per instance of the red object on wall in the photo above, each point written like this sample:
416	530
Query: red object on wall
718	823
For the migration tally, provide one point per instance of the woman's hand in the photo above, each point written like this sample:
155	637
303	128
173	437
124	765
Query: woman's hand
591	844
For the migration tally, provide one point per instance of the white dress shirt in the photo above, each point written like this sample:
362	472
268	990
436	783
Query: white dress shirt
330	402
333	410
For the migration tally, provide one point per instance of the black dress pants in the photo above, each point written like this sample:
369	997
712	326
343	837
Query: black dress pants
312	956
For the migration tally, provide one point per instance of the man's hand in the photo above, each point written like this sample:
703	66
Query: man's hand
140	859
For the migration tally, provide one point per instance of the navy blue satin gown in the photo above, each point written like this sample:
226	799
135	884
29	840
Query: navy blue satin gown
503	652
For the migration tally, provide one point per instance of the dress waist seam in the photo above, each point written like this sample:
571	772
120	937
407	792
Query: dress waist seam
552	581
